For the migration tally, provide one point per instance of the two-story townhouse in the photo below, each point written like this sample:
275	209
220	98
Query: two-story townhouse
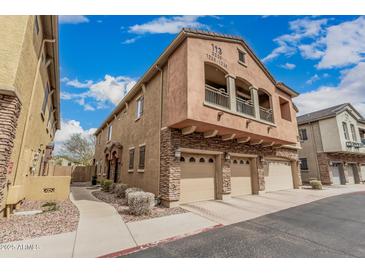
206	121
29	99
332	143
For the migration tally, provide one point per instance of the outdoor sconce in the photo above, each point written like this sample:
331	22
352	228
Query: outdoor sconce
219	115
227	156
331	164
248	122
177	154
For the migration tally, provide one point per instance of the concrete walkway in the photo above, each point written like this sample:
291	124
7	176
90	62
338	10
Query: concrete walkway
248	207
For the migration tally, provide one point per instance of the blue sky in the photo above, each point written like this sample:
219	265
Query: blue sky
101	57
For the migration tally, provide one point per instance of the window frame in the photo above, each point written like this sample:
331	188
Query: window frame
301	135
47	91
142	165
109	133
346	131
131	159
243	53
36	25
139	107
304	160
353	132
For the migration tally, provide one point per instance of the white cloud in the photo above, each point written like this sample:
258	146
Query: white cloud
130	41
288	66
68	128
304	28
72	19
99	94
169	25
313	79
350	90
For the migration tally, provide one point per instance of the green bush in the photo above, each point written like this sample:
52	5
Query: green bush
315	184
120	190
106	185
141	203
49	206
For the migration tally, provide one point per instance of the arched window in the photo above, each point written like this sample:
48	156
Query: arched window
235	161
182	159
216	85
244	102
265	105
242	162
211	160
192	160
201	160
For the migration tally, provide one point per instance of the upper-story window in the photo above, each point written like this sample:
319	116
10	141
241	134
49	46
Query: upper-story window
131	159
142	151
353	133
110	129
140	105
36	24
241	56
50	117
45	99
345	130
285	109
303	134
303	164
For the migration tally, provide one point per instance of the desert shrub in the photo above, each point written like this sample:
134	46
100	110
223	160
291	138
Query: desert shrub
315	184
112	187
106	185
49	206
120	190
141	203
131	190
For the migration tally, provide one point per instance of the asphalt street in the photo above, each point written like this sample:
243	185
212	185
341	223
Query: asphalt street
332	227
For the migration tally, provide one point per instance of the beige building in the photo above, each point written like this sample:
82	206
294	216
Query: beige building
206	121
29	100
333	141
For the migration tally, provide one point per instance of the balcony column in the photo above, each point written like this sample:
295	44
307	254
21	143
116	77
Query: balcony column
231	89
255	100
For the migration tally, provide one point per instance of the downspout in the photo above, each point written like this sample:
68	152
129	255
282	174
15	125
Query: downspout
25	128
160	126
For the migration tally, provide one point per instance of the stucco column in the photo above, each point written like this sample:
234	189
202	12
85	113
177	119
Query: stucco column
343	173
223	175
261	173
357	173
296	174
255	99
231	89
324	168
255	184
360	174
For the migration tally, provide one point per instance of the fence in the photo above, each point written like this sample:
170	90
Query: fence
77	173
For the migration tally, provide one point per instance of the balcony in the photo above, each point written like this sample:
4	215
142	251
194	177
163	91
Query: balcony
218	97
245	106
266	114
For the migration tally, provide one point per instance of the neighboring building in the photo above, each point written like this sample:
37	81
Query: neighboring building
206	121
29	99
333	142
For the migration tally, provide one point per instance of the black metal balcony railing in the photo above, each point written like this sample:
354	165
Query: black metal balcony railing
245	106
266	114
217	96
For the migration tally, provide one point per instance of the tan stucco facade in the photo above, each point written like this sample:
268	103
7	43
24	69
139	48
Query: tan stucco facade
177	118
29	63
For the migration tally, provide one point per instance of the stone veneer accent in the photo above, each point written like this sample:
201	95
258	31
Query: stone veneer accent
172	140
10	107
324	160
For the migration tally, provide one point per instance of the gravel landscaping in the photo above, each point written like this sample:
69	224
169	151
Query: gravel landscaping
123	210
22	227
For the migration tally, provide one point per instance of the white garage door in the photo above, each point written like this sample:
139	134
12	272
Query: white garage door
363	172
278	175
336	177
197	178
350	174
240	176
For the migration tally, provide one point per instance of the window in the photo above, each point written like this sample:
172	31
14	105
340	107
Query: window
285	109
303	164
131	159
36	25
110	129
139	110
50	116
241	56
45	99
142	152
345	130
353	132
303	134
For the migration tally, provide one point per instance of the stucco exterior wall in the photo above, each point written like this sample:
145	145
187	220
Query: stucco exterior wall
198	50
330	135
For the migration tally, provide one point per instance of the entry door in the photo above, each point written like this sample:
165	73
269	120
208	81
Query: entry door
240	176
350	174
336	177
363	172
197	181
278	175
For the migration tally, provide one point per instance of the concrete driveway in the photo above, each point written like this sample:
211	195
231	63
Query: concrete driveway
330	227
238	209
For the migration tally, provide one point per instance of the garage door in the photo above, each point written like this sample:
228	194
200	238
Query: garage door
336	177
240	176
197	178
363	172
350	174
278	175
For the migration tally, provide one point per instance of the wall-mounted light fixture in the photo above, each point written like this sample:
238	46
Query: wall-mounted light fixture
219	115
